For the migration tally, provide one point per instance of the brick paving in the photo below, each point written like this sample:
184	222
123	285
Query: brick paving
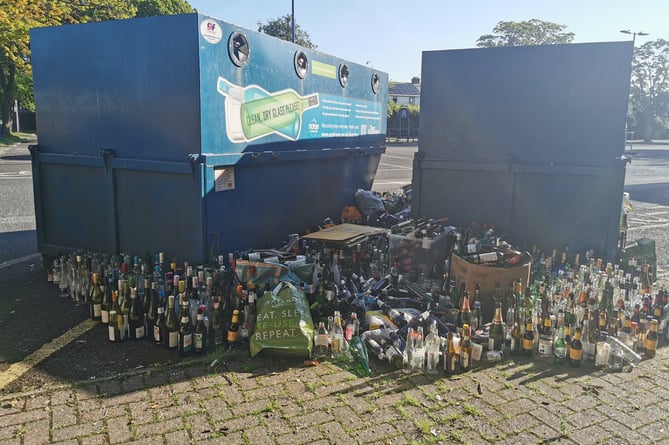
282	401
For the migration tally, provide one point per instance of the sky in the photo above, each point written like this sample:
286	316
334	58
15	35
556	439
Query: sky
391	35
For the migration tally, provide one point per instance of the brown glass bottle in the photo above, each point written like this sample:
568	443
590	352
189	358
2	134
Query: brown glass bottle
528	340
651	339
575	349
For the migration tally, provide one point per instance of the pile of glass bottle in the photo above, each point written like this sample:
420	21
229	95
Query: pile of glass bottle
571	313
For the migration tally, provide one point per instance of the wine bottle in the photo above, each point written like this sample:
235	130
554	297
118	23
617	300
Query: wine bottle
200	334
545	348
152	311
158	327
321	341
451	360
337	336
465	349
96	299
185	337
171	325
136	317
115	326
216	324
106	304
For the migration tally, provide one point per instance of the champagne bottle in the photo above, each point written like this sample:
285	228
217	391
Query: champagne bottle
575	349
96	299
497	331
528	339
233	329
115	326
200	335
136	317
171	325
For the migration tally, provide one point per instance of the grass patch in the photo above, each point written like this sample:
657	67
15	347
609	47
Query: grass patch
20	432
456	436
471	410
15	138
425	425
407	400
533	387
271	407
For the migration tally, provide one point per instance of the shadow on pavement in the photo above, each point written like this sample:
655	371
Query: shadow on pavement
657	193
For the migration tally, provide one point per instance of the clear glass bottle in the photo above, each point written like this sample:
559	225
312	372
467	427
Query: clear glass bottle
418	359
432	345
321	341
602	351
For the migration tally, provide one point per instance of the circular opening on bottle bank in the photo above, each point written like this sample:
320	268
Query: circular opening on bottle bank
301	64
344	74
238	48
376	83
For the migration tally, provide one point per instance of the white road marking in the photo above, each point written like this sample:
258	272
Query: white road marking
19	260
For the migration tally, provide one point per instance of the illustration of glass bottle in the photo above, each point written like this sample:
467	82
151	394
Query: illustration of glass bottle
253	112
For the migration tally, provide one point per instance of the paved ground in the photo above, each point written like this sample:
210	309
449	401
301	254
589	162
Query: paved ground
283	401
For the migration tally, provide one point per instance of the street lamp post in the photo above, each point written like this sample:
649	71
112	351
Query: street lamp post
633	34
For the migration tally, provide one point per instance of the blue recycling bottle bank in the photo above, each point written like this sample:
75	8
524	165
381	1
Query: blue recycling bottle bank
193	136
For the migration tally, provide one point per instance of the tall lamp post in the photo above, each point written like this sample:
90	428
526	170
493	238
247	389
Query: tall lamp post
292	19
633	34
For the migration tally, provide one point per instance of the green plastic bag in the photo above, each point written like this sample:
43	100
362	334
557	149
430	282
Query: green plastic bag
284	325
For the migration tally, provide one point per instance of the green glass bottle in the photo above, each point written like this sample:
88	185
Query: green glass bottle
171	325
115	326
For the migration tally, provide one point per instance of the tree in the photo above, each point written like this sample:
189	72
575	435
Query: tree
525	33
282	28
148	8
16	19
649	88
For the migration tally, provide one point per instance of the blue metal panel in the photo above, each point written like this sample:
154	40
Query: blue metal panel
550	103
167	106
127	85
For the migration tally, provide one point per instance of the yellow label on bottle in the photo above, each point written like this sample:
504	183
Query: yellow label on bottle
651	345
528	344
233	336
575	354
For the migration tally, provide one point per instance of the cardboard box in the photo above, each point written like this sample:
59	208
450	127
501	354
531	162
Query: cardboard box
486	276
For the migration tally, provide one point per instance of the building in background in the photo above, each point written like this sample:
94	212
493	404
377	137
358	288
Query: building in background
405	93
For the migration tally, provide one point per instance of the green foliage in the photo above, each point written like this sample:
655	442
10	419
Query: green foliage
527	32
649	89
282	28
148	8
393	121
